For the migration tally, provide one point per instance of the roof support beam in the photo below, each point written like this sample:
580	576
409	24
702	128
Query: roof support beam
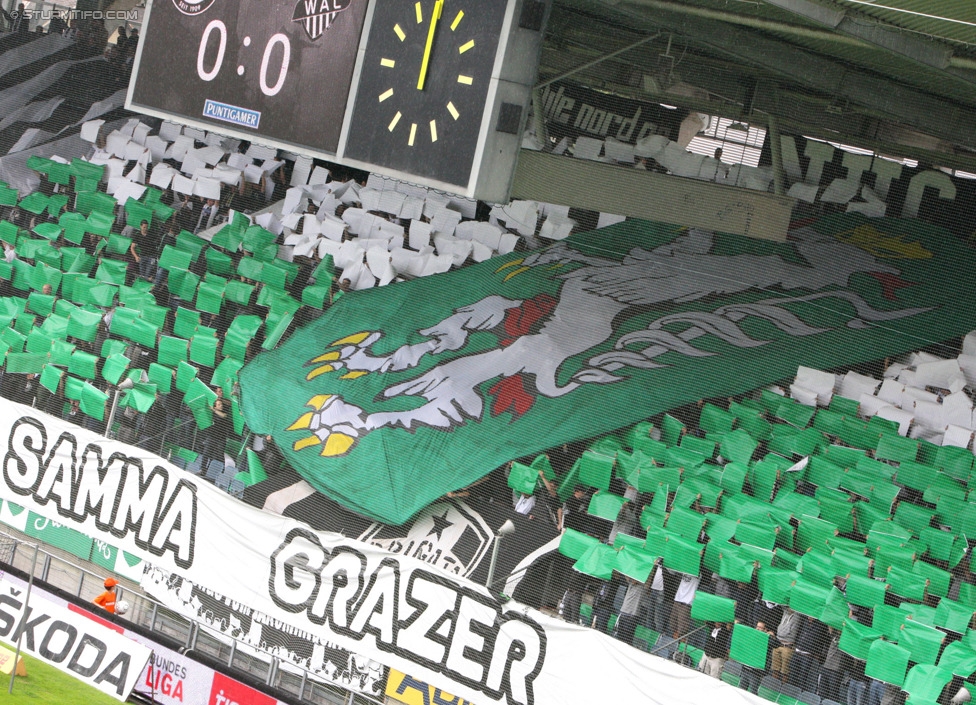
924	51
895	101
814	11
598	60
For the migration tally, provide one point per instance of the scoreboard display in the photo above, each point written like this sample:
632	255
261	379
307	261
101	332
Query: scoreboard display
430	91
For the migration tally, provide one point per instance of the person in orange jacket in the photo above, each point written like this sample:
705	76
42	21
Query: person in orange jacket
107	599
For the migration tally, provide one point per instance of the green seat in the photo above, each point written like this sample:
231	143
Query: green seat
648	636
731	679
694	654
768	689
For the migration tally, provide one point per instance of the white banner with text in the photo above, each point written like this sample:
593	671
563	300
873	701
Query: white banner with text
442	629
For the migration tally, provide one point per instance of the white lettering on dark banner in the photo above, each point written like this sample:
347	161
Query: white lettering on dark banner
453	630
123	497
594	120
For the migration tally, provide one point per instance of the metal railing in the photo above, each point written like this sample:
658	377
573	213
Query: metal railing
195	636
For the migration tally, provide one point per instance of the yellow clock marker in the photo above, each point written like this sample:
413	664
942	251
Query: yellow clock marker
394	121
413	134
388	63
464	47
386	94
433	130
453	111
420	13
438	8
466	80
457	20
399	32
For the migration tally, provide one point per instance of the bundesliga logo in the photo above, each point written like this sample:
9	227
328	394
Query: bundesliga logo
317	16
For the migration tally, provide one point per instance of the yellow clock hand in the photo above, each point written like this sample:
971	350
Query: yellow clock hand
438	7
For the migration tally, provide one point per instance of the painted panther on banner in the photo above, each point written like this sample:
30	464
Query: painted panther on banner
512	357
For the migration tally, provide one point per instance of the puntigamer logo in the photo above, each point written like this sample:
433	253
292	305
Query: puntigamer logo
232	114
193	7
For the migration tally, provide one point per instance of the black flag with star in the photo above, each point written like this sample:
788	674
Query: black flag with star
449	534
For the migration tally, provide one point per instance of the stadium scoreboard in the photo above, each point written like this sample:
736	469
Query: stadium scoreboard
435	92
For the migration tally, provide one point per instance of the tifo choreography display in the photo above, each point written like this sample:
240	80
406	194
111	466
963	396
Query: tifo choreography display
462	372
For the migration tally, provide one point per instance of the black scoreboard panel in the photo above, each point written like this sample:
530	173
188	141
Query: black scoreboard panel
272	69
408	88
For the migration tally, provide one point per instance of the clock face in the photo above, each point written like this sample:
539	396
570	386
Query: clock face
279	69
424	84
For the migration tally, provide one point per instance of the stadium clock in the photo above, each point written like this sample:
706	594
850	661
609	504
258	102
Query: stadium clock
426	73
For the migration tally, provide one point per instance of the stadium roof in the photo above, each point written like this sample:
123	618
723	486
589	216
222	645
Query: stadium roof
897	76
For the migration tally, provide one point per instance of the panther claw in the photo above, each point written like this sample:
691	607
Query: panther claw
333	424
338	359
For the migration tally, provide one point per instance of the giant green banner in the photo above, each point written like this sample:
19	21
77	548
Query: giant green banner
399	394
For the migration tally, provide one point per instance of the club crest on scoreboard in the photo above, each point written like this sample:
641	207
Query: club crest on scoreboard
193	7
316	16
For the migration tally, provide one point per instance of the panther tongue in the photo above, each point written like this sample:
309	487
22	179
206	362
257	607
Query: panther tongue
890	283
510	395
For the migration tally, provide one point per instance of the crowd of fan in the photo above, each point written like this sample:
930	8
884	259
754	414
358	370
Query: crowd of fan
804	652
335	198
159	426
